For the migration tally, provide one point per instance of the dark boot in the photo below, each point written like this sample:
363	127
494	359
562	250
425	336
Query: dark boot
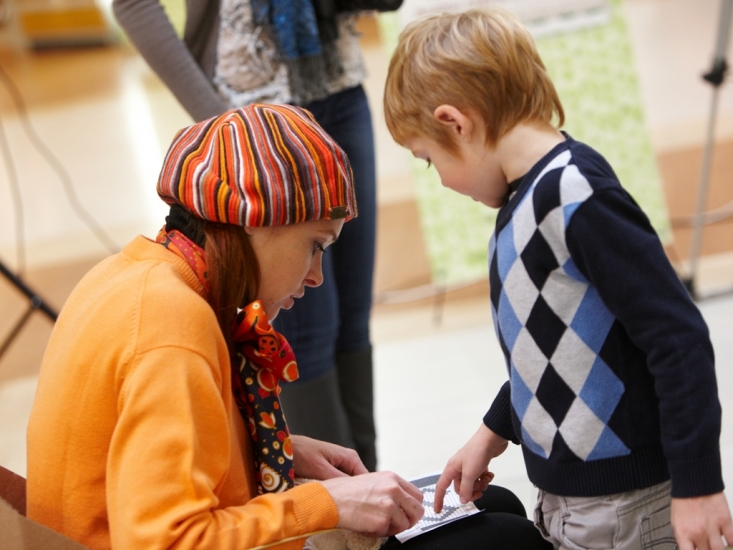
357	393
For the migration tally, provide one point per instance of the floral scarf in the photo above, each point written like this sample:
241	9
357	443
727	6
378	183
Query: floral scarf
263	358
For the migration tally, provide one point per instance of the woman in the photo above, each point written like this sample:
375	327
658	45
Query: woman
157	422
300	52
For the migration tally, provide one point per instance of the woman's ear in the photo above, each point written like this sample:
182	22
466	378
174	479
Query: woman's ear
458	122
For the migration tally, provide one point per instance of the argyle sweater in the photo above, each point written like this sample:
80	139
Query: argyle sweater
611	372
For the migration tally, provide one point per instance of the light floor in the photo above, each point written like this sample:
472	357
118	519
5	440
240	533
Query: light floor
438	365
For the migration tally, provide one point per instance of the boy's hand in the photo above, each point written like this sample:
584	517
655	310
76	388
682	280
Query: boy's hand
468	468
700	523
378	504
316	459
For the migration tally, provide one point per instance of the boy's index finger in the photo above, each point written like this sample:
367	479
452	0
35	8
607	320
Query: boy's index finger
440	488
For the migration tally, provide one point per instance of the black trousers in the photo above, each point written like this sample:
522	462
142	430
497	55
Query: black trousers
502	524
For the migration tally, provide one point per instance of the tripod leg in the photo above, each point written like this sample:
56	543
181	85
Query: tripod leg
702	195
36	301
716	76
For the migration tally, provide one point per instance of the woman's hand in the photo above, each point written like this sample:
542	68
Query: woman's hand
378	504
468	468
316	459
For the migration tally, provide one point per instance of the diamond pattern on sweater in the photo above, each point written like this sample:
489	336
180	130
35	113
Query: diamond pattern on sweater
545	327
509	325
552	323
550	199
563	294
522	291
538	429
574	361
538	252
602	404
552	227
525	224
555	395
581	429
533	361
592	321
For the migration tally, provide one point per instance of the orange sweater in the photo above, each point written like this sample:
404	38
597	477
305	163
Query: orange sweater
135	440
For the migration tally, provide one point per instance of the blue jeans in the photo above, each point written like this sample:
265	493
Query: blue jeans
335	316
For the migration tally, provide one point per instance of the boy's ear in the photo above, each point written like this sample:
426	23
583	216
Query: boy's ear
457	121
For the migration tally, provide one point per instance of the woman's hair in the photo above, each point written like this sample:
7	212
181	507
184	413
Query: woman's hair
233	269
231	263
482	60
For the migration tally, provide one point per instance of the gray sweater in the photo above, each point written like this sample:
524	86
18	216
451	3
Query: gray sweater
187	66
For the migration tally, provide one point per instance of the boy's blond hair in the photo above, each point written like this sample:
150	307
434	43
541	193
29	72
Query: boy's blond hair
482	61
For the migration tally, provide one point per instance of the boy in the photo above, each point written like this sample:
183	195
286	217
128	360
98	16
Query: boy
612	391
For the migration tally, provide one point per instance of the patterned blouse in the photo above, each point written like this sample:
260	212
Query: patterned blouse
250	69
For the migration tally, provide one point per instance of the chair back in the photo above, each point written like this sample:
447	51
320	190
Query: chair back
12	489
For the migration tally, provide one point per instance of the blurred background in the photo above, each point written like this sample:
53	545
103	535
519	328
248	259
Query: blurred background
84	125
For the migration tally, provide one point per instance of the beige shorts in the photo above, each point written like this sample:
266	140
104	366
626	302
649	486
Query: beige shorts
635	520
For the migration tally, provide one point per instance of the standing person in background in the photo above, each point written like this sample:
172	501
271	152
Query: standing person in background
238	52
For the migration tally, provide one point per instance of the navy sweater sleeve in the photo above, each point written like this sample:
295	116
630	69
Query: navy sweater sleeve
499	419
613	244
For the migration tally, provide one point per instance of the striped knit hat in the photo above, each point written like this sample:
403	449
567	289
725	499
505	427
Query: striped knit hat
257	166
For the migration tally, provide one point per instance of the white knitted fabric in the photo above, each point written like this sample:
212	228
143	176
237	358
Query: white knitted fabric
343	540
